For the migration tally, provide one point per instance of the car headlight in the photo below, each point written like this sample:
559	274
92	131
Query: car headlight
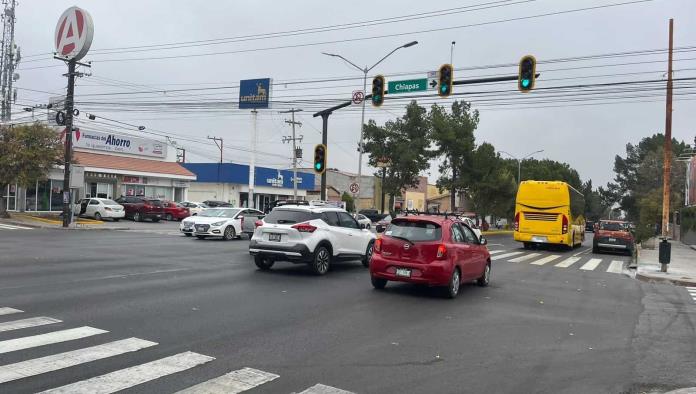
216	224
187	223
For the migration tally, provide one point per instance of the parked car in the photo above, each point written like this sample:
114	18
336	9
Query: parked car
223	222
430	250
101	208
589	226
315	235
613	235
373	214
382	224
280	203
174	211
363	220
472	225
139	208
216	204
194	207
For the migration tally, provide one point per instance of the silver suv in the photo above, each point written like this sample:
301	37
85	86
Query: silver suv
316	235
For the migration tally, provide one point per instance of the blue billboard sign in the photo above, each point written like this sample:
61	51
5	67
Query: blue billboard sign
254	93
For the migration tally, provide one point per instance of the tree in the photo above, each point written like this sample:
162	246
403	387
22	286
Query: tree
596	204
546	170
453	135
350	203
492	189
27	153
404	143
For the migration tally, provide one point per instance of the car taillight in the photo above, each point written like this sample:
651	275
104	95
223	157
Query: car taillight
564	228
441	251
304	227
377	248
517	221
258	223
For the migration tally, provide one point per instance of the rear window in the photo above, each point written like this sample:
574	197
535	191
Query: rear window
109	202
156	203
289	216
414	231
609	226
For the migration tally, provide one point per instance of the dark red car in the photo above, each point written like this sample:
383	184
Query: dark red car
140	208
430	250
613	235
174	211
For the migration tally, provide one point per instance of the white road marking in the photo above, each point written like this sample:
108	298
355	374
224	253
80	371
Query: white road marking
567	262
37	366
505	255
582	252
616	267
12	345
9	311
231	383
26	323
495	251
525	257
13	227
133	376
546	259
324	389
591	264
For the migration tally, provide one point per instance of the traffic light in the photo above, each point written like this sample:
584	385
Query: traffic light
378	91
446	77
525	82
320	158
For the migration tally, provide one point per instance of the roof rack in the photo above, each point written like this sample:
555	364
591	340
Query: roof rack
437	213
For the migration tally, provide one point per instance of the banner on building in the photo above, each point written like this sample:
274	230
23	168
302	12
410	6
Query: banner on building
117	143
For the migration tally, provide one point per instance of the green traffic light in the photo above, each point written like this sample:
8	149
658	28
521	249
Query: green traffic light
443	88
317	166
525	83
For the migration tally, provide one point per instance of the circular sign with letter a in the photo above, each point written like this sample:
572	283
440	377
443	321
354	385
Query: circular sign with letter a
358	97
354	188
74	33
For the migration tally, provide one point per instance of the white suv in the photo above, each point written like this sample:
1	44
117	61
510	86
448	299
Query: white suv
316	235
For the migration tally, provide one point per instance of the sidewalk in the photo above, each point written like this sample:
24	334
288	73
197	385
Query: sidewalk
681	270
54	222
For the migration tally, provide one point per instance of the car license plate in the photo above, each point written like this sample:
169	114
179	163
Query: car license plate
274	237
403	272
612	239
537	238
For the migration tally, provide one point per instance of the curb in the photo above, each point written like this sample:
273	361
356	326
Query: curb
686	390
651	279
20	223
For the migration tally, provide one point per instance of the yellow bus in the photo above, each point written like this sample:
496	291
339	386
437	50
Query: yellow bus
549	212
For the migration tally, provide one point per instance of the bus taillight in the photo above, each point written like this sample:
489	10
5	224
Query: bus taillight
517	221
564	229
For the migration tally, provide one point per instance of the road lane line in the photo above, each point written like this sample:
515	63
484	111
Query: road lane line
546	259
505	255
37	366
582	252
12	227
324	389
12	345
615	267
133	376
9	311
591	264
26	323
567	262
231	383
495	251
525	257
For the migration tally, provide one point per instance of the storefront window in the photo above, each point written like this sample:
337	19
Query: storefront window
56	195
30	199
161	192
44	196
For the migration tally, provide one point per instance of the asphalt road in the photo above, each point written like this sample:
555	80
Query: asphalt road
539	328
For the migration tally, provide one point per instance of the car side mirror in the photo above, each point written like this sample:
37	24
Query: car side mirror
483	241
380	229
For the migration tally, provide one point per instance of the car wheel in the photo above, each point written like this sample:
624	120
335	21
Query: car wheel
527	245
264	263
97	216
229	233
322	260
155	220
367	226
188	234
117	219
200	236
137	217
368	254
595	249
378	283
485	279
454	283
169	217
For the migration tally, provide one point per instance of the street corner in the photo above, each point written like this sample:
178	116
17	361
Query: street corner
665	277
680	271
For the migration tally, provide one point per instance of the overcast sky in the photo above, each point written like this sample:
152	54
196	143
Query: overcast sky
585	134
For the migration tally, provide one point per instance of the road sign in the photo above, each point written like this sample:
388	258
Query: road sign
358	97
254	93
432	80
354	188
407	86
74	33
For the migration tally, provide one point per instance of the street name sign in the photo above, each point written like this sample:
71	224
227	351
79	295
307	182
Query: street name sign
408	86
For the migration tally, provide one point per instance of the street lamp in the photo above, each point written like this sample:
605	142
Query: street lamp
366	70
519	162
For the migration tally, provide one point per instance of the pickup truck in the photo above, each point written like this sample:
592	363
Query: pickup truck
373	214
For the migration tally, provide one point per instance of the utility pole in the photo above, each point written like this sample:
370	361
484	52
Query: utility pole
252	165
452	52
8	60
219	145
294	148
69	103
667	162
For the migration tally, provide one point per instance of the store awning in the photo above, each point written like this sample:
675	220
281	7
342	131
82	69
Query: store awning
95	162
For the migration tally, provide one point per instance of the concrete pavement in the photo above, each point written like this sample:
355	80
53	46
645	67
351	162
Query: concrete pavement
681	270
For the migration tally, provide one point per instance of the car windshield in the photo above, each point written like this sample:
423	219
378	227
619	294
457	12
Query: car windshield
109	202
289	216
414	231
612	226
219	213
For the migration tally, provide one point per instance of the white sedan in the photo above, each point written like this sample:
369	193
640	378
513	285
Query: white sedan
101	208
225	223
470	222
363	220
194	207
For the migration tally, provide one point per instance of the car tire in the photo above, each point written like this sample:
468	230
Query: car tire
322	260
485	279
229	233
378	283
155	220
97	216
200	236
263	263
595	249
169	217
367	226
188	234
368	254
527	245
137	217
117	219
454	284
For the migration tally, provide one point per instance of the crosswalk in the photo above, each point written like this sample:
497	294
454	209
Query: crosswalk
4	226
236	381
580	261
692	292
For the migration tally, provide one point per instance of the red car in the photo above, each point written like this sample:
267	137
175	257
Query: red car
175	211
430	250
614	235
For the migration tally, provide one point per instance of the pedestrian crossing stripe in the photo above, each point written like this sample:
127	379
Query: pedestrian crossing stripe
495	251
8	311
615	267
546	259
26	323
12	345
12	227
568	262
233	382
591	264
324	389
505	255
525	257
133	376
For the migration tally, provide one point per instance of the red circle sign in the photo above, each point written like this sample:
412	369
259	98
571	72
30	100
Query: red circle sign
74	33
358	96
354	188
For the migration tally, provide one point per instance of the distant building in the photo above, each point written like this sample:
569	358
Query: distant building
338	182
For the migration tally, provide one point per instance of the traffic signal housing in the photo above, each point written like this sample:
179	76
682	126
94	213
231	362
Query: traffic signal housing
445	80
527	76
320	158
378	91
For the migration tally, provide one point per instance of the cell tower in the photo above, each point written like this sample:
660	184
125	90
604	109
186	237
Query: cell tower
9	59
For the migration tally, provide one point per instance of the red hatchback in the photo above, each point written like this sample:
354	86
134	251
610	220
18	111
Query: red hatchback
430	250
175	211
